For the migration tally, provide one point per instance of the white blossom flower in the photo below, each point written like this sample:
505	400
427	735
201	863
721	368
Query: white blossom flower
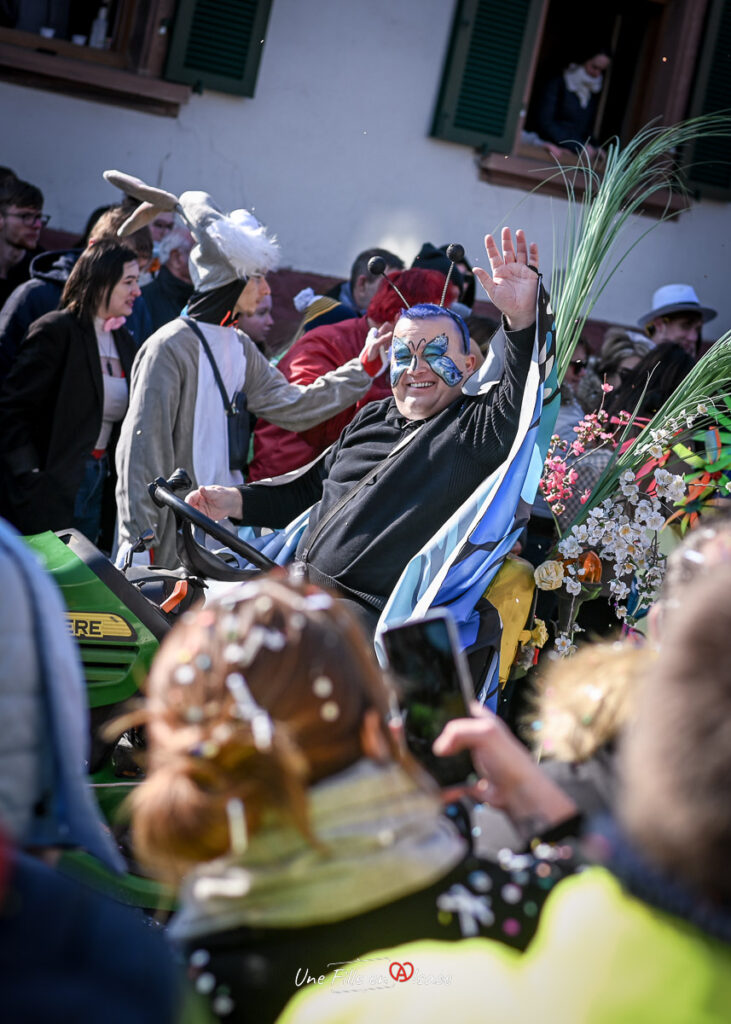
669	486
569	547
563	644
573	586
643	508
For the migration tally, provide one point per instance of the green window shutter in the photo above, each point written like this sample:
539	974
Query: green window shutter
709	160
217	44
485	71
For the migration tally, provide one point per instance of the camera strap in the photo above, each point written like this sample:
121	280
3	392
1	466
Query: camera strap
230	410
349	495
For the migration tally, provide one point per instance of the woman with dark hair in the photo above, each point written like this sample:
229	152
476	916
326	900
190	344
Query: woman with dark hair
657	375
302	832
61	405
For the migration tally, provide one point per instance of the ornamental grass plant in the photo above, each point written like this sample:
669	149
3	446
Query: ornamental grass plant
636	495
593	241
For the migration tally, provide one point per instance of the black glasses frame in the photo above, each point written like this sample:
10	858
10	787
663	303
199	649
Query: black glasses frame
30	218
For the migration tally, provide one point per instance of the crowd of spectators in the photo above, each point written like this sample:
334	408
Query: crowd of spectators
579	873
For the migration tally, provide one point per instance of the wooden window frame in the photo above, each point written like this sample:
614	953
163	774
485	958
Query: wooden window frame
129	75
673	53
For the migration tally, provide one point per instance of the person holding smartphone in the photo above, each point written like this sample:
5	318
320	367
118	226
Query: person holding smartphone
302	832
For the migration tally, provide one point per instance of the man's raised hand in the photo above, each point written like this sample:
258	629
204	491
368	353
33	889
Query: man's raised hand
513	285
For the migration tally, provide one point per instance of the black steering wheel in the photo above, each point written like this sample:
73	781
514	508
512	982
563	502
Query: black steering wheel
196	558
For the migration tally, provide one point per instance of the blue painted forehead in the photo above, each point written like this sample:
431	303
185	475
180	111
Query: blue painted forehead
430	311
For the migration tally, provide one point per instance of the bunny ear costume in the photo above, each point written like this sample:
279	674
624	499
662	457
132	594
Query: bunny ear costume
176	415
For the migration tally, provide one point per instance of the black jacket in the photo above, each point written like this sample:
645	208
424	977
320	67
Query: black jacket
562	119
50	417
165	297
260	969
366	545
48	274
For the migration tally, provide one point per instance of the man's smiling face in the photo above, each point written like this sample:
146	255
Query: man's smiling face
428	366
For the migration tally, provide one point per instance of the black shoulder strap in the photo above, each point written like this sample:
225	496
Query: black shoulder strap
196	330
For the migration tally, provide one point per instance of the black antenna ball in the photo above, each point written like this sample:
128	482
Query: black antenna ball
377	265
455	252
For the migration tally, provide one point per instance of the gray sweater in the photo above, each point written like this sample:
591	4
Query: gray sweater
158	432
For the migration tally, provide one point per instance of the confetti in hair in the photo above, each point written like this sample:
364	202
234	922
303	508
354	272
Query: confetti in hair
237	826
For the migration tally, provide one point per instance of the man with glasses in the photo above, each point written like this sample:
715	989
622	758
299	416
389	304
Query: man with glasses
21	221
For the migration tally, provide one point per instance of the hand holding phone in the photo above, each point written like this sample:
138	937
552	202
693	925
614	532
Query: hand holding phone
434	686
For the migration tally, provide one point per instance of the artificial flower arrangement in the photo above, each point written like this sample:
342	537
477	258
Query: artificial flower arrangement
613	542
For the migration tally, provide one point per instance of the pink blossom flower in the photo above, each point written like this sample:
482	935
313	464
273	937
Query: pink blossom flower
606	388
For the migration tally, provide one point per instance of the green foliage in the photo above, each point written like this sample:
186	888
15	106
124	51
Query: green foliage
592	234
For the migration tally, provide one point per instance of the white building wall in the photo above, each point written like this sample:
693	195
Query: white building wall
333	154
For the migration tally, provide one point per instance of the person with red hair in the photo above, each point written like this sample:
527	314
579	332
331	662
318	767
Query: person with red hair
278	451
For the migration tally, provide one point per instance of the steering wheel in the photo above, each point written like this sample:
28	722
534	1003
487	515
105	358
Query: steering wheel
197	559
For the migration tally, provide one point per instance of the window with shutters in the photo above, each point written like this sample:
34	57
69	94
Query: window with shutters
144	54
216	44
670	59
710	159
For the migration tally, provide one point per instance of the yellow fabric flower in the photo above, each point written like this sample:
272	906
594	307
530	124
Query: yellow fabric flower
539	633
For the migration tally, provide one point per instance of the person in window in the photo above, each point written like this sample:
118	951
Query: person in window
568	104
67	392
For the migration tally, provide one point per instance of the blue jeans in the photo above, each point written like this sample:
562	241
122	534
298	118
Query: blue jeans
88	502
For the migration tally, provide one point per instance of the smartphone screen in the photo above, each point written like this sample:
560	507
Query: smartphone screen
433	685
